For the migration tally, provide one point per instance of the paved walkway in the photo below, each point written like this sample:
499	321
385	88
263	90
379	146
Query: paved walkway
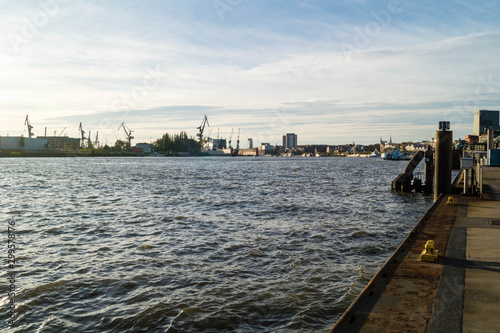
471	276
459	293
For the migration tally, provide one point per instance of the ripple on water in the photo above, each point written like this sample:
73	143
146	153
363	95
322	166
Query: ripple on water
199	244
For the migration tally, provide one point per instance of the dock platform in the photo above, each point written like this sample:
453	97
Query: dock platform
460	292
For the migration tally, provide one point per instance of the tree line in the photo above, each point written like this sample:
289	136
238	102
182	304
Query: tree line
177	143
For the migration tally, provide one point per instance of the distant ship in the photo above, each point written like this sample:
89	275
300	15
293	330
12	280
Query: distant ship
395	155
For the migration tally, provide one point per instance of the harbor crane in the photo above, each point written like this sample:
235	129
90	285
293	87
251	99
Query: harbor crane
238	141
82	136
89	142
218	140
230	137
60	134
201	128
28	125
96	142
128	132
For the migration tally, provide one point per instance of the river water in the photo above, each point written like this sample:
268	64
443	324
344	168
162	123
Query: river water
244	244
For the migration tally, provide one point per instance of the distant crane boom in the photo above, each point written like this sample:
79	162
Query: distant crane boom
28	125
62	131
96	142
230	137
89	141
82	136
238	141
128	132
201	128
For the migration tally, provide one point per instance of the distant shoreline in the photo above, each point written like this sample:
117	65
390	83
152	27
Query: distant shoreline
62	154
93	153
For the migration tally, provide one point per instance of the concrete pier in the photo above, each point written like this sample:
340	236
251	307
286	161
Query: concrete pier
460	292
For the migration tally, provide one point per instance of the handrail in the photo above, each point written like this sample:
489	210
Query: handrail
480	174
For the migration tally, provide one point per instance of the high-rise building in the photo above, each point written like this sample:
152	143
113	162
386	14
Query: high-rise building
290	140
250	143
484	119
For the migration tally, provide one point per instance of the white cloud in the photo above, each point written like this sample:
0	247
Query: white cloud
242	74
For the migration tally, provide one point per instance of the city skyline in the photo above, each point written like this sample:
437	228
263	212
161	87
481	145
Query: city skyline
332	73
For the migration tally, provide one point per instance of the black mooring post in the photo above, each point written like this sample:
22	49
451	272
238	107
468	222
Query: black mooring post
429	170
442	173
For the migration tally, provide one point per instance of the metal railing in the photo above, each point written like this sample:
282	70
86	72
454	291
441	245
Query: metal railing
479	175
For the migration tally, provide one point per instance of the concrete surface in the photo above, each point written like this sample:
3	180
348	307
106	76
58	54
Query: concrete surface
459	293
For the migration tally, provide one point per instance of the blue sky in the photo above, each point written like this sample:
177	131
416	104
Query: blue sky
333	72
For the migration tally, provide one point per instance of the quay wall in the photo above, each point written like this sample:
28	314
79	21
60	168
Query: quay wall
384	274
249	152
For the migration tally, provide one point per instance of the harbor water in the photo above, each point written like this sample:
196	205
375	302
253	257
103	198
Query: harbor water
209	244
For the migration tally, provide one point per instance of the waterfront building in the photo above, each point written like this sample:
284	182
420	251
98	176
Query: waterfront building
484	119
290	140
27	144
417	146
61	142
214	144
386	145
266	149
143	147
250	143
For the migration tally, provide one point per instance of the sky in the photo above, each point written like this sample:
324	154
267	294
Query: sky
333	72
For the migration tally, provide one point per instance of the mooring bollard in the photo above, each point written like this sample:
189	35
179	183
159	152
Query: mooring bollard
442	171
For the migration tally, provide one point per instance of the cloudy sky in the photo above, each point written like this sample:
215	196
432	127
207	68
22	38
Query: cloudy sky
331	71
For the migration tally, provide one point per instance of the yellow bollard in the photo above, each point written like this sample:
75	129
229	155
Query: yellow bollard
450	201
429	254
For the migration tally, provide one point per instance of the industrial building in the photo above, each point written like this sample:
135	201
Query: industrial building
484	119
15	143
143	147
61	142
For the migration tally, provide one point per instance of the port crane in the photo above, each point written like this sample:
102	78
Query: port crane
96	142
128	132
201	128
238	141
218	140
60	134
82	135
89	142
230	137
28	125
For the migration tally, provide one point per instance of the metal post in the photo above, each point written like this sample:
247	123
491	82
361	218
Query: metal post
442	173
466	181
429	172
490	141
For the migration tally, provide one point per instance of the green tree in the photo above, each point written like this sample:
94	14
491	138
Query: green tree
177	143
119	146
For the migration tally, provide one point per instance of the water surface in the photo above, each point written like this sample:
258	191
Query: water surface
198	244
